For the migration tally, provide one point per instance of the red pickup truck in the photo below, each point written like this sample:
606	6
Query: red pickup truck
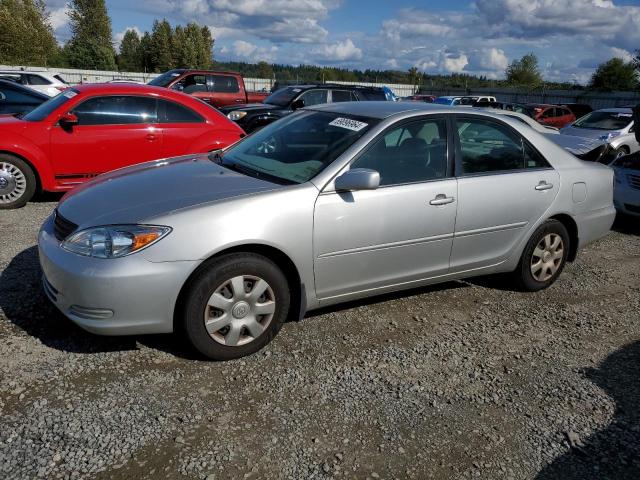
217	88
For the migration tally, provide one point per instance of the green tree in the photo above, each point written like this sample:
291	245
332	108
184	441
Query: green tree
524	72
26	36
205	50
616	74
90	46
161	46
264	70
130	58
414	76
146	54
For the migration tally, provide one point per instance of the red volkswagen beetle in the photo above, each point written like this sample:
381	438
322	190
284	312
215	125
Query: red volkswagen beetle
91	129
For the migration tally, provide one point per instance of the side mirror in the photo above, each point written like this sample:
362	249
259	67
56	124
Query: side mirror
68	120
358	179
299	103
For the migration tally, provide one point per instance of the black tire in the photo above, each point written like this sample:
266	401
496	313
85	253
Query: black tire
27	182
523	274
209	280
621	151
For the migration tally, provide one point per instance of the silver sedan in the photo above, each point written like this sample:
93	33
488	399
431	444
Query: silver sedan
332	203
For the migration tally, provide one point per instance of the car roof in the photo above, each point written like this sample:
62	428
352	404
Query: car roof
8	84
307	86
616	110
382	109
131	88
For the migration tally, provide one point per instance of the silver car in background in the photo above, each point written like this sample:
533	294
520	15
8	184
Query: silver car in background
332	203
612	125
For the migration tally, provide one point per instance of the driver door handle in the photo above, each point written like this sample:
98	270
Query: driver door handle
544	185
441	199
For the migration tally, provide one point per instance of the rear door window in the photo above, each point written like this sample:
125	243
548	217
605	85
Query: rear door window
225	84
117	110
488	146
170	112
342	96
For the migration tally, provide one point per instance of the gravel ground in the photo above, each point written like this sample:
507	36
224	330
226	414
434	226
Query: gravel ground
463	380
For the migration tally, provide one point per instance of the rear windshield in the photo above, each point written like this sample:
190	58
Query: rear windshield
298	147
43	111
605	120
283	97
166	78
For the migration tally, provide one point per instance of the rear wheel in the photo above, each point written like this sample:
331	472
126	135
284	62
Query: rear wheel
544	257
235	306
17	182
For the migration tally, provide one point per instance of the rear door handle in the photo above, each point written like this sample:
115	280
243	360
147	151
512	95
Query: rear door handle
544	186
441	199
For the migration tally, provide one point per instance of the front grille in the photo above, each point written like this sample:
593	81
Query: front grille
634	181
62	227
632	208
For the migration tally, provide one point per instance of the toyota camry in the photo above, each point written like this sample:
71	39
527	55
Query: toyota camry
332	203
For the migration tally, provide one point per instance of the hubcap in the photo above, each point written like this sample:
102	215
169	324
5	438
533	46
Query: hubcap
239	310
13	182
547	257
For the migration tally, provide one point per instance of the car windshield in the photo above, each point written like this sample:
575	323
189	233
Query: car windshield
298	147
165	79
44	110
605	120
283	97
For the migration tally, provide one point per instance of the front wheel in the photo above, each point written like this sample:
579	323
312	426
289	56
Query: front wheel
235	306
544	257
621	152
17	182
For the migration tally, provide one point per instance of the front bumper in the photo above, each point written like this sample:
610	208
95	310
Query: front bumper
627	200
122	296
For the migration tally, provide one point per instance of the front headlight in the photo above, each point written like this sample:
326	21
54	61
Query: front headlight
113	241
236	115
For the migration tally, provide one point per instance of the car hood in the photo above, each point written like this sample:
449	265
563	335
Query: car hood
585	132
574	144
136	194
251	107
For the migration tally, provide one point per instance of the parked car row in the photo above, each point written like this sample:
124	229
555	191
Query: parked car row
49	83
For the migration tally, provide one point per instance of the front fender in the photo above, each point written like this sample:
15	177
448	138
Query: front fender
34	155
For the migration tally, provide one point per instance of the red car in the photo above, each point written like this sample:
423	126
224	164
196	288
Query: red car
91	129
217	88
552	115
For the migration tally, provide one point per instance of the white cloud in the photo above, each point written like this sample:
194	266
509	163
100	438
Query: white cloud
278	21
254	53
339	52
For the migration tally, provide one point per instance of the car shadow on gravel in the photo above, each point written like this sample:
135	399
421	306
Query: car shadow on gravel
627	225
614	452
26	306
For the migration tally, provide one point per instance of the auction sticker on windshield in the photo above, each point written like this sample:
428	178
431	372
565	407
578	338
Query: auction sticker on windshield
347	123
